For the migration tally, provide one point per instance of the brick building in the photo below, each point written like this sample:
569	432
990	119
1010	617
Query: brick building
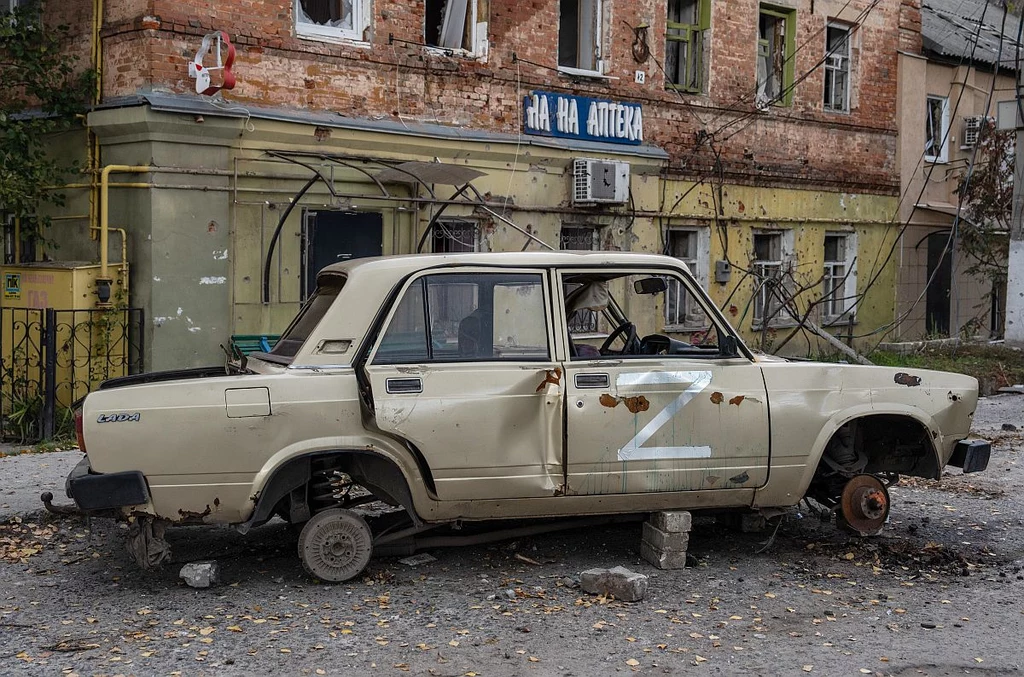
756	141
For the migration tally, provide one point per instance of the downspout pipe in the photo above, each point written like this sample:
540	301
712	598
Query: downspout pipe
104	280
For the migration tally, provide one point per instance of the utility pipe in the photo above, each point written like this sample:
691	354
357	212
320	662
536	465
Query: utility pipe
104	278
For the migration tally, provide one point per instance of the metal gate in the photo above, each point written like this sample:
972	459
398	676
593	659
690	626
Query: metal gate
51	358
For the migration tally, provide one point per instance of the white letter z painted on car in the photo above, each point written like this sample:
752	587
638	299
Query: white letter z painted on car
633	451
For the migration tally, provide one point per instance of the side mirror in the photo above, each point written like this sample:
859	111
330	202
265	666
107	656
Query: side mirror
729	346
650	285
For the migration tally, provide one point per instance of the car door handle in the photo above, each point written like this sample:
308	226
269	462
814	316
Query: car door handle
591	380
397	386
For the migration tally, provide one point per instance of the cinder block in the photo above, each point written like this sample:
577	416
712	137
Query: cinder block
752	523
663	559
672	521
662	540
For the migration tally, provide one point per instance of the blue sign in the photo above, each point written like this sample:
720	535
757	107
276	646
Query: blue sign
577	117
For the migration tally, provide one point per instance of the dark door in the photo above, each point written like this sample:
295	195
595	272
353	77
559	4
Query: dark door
940	269
333	236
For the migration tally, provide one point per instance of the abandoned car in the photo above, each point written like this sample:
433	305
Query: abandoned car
474	387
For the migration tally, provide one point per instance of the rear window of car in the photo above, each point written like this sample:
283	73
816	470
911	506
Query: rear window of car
308	318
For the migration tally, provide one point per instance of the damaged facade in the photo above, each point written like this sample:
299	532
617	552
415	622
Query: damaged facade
961	81
755	141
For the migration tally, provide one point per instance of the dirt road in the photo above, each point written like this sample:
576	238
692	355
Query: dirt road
941	592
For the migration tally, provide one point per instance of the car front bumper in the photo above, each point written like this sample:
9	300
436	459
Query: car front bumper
971	455
92	492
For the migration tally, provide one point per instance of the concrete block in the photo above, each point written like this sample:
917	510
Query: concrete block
618	582
201	574
663	540
663	559
672	521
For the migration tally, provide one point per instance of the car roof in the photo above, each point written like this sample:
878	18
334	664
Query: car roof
413	262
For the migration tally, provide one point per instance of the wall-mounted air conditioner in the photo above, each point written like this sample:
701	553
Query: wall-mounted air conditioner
973	124
599	181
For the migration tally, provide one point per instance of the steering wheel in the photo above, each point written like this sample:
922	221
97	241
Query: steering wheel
628	347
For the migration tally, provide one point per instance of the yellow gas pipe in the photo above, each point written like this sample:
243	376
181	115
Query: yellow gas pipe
104	226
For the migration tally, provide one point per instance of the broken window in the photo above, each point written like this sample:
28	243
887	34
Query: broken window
936	141
579	35
839	280
769	266
837	68
681	309
684	44
580	238
451	24
774	48
455	235
332	18
468	316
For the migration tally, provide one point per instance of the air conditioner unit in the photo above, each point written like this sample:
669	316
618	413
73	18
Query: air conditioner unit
604	181
973	124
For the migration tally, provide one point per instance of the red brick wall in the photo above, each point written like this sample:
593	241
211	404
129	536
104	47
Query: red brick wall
149	42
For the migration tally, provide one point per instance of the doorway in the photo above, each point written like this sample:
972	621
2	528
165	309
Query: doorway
940	272
332	236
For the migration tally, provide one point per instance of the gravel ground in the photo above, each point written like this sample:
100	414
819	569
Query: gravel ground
940	592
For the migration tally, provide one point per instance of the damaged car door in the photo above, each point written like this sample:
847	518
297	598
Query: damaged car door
657	414
464	371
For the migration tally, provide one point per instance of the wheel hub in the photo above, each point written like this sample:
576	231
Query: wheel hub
335	545
864	505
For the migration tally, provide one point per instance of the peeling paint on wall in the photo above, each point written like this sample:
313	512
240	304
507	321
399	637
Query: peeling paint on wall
213	280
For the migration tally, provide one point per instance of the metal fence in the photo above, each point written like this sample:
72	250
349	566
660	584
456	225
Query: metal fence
51	358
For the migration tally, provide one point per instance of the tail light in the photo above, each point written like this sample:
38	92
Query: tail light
79	430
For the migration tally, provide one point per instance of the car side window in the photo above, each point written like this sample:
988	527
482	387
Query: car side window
454	317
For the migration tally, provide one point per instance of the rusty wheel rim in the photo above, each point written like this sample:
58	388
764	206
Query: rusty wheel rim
865	504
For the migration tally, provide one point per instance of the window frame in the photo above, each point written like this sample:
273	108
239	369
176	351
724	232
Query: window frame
783	263
714	319
700	270
422	278
787	76
313	31
694	39
943	155
598	32
844	67
847	314
588	325
477	48
445	225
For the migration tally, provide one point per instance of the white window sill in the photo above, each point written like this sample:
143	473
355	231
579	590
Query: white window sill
684	328
332	35
838	321
581	73
836	111
936	160
451	51
784	323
